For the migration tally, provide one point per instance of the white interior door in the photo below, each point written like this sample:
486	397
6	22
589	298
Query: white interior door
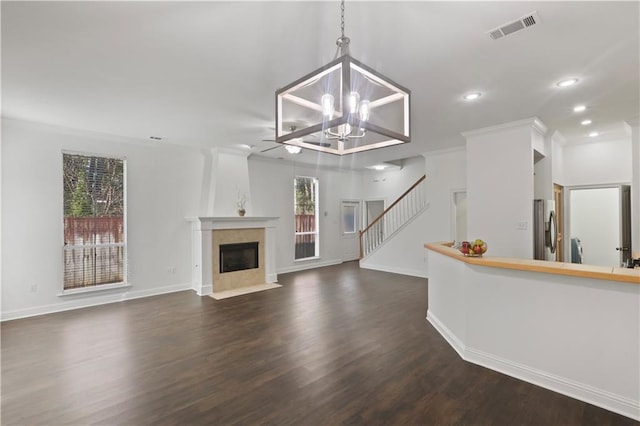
594	219
350	217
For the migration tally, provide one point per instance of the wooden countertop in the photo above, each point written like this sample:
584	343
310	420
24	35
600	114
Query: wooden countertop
558	268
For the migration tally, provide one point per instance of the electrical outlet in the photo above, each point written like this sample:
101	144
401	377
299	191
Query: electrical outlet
522	226
171	270
34	288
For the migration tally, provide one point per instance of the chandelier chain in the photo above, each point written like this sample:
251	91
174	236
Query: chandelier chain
342	17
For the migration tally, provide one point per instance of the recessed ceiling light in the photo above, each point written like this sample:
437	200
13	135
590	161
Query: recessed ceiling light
379	167
579	108
292	149
593	134
567	83
245	146
472	96
585	122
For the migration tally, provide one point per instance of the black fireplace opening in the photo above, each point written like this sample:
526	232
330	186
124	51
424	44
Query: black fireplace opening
238	257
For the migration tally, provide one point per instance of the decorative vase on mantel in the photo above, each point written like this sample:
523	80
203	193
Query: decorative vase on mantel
241	212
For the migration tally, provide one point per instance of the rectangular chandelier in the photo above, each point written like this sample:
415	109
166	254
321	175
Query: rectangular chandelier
343	107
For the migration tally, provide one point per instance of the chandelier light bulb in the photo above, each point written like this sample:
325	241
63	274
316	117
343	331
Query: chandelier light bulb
354	100
364	110
327	105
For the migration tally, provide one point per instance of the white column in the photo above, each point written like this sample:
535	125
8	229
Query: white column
500	186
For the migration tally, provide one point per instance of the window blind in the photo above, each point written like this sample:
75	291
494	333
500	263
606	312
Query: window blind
94	222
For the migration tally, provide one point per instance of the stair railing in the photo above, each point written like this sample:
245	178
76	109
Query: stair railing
394	217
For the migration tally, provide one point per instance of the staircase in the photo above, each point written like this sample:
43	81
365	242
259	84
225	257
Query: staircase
393	218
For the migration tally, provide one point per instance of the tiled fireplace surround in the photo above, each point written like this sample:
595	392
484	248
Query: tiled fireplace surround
207	233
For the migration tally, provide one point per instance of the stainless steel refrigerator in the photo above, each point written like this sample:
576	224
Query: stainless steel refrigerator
545	231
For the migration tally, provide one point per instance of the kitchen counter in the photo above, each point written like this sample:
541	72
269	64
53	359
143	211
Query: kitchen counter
559	268
574	329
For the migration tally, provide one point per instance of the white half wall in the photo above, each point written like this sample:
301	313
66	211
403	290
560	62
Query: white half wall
164	184
573	335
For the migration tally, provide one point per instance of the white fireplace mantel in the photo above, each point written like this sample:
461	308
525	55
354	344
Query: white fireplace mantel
202	246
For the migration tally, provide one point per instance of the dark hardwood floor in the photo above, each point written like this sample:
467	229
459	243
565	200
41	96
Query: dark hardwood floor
336	345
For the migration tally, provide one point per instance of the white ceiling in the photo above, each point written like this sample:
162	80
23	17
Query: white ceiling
205	73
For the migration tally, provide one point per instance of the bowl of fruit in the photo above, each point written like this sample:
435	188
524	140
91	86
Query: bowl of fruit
473	248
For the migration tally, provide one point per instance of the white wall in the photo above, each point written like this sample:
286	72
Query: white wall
231	182
272	194
635	188
500	188
163	186
403	253
392	183
557	158
597	163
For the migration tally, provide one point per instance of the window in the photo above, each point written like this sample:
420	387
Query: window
94	221
350	217
306	217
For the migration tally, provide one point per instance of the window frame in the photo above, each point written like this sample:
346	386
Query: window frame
316	232
125	261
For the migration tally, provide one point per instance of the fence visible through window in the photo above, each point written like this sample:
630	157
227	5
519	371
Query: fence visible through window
306	217
305	244
94	250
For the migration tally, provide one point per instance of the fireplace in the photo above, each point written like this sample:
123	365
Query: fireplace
211	233
238	257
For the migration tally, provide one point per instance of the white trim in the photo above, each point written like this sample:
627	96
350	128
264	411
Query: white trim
534	122
444	331
310	258
309	265
93	289
580	391
204	290
598	397
92	301
401	271
444	151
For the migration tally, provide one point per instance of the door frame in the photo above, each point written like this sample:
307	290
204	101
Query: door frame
452	210
558	197
567	208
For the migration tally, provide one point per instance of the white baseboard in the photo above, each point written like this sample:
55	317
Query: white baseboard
309	265
84	301
204	290
598	397
272	278
451	338
394	270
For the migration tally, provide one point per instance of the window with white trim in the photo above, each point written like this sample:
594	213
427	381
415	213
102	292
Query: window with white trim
94	221
306	217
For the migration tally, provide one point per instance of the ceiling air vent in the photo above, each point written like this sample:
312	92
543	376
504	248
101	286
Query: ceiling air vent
526	21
